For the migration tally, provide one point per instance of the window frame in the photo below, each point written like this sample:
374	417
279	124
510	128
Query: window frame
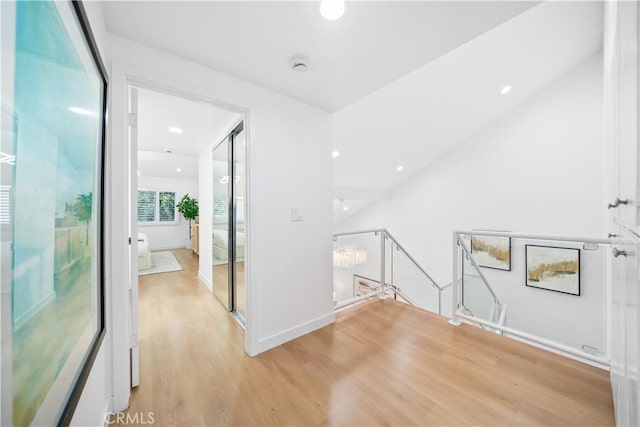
157	221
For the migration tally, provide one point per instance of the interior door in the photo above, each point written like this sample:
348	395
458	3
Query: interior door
133	236
238	225
229	188
628	56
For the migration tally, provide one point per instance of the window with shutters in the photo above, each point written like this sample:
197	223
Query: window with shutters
157	207
5	204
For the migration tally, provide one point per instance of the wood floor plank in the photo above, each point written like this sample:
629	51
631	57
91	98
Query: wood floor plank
382	363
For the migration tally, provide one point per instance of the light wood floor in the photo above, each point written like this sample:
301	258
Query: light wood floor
384	363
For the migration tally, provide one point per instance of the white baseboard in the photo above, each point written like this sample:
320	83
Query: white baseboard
108	410
275	340
206	281
20	321
167	248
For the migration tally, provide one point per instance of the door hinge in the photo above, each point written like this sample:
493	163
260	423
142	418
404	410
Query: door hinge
129	240
133	120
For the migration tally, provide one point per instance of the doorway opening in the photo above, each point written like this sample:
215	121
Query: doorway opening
171	137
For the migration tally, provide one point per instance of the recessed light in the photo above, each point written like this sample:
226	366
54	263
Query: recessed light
175	129
331	9
81	111
505	90
178	170
346	208
400	168
335	154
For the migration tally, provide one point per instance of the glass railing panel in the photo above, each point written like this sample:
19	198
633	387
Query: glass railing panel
477	299
356	266
411	282
552	289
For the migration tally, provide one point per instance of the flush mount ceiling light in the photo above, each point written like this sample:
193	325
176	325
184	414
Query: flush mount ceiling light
81	111
299	64
331	9
335	153
178	170
505	90
346	208
400	168
175	129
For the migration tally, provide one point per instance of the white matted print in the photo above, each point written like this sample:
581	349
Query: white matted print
554	269
492	251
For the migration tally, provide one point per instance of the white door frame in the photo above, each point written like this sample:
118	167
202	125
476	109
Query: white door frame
120	155
133	235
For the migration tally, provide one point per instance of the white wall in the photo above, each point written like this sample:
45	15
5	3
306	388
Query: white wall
168	236
538	169
288	263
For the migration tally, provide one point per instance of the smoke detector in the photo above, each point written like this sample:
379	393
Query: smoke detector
299	64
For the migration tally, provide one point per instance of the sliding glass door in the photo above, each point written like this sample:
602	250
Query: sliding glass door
229	189
239	190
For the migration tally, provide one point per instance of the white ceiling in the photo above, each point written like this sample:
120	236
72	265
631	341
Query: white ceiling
427	113
202	125
164	165
408	81
373	44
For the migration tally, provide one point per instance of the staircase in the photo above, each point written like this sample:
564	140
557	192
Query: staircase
489	272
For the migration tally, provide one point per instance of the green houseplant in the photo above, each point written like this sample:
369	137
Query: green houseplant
188	207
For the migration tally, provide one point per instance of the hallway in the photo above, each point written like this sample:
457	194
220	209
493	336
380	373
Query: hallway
383	364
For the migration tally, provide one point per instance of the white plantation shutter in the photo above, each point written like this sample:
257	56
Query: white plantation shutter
157	206
167	206
147	206
5	204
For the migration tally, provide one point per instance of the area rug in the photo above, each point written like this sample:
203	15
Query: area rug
161	262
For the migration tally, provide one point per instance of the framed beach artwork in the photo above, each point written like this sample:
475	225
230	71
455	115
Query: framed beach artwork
53	136
553	269
492	251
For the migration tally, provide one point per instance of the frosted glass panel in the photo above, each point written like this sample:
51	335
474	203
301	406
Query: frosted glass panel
476	296
356	266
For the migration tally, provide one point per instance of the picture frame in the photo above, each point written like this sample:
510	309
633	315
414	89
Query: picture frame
56	325
364	285
555	269
491	251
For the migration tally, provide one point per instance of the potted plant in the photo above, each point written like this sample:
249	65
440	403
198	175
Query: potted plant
188	207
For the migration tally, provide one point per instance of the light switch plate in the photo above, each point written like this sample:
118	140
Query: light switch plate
296	214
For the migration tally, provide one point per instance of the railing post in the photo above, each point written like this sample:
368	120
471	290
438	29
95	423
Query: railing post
454	287
383	238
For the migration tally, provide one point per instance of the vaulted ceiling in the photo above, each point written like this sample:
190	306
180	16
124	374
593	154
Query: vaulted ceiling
406	81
